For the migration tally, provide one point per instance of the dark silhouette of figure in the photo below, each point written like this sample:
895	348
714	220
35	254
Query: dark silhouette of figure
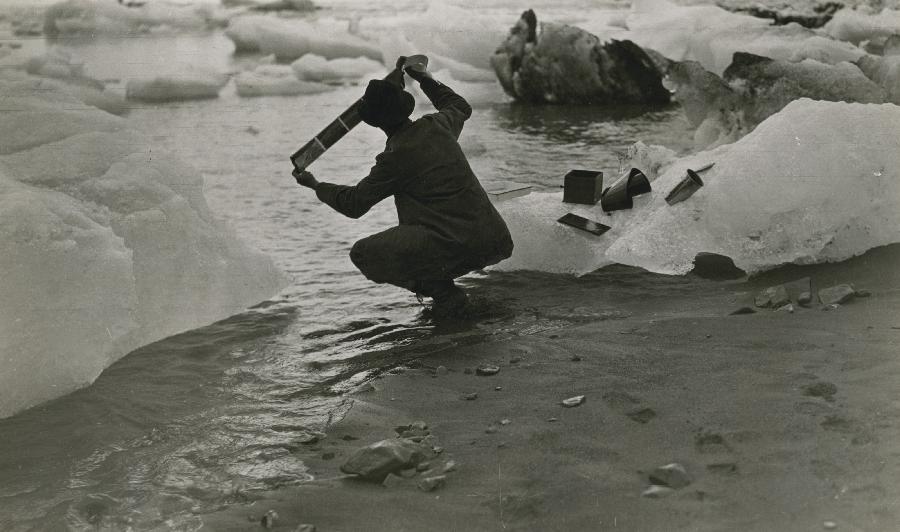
447	225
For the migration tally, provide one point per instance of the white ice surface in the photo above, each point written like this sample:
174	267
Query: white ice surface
816	182
856	26
275	80
710	35
312	67
103	246
289	40
176	87
98	17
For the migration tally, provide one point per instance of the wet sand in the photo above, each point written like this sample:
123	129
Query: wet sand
783	421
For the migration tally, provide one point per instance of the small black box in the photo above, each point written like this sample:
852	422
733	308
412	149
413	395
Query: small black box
583	186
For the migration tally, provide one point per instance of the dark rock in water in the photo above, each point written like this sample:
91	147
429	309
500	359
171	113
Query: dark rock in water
376	461
807	14
773	297
673	476
556	63
836	295
743	310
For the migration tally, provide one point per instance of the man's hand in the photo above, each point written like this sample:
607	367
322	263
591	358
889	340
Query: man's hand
305	178
416	71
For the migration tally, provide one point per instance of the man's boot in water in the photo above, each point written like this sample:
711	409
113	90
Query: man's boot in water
448	299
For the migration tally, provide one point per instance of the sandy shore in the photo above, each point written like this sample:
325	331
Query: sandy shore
783	421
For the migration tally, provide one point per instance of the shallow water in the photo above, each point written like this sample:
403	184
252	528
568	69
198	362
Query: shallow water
201	420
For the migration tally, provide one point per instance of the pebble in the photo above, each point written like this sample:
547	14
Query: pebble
829	525
773	297
836	294
437	449
305	528
485	371
498	389
573	401
833	306
431	483
269	520
374	462
743	310
552	420
440	370
804	299
789	308
657	492
491	430
471	396
575	358
515	360
449	467
423	466
505	422
673	476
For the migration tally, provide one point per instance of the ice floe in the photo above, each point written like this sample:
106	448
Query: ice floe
103	246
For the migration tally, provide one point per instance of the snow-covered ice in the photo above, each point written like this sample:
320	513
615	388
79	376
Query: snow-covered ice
290	39
856	26
194	85
103	246
710	35
275	80
90	17
312	67
816	182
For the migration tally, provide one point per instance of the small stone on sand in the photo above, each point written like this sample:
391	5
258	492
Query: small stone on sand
575	358
305	528
642	416
743	310
773	297
440	370
673	475
491	430
485	371
829	525
657	492
470	396
449	466
505	422
804	299
789	308
374	462
423	466
836	294
269	520
498	388
573	401
552	420
432	483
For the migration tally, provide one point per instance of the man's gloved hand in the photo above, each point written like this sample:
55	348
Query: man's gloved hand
305	178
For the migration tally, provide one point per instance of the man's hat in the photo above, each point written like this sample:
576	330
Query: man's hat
385	104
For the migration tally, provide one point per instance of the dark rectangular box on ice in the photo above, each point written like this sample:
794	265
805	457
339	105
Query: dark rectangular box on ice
582	186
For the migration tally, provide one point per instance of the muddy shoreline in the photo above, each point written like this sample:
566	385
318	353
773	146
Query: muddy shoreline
783	421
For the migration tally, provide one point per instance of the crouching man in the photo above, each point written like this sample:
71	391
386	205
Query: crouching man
447	225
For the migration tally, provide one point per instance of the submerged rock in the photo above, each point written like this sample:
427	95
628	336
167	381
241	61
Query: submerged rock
375	462
556	63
